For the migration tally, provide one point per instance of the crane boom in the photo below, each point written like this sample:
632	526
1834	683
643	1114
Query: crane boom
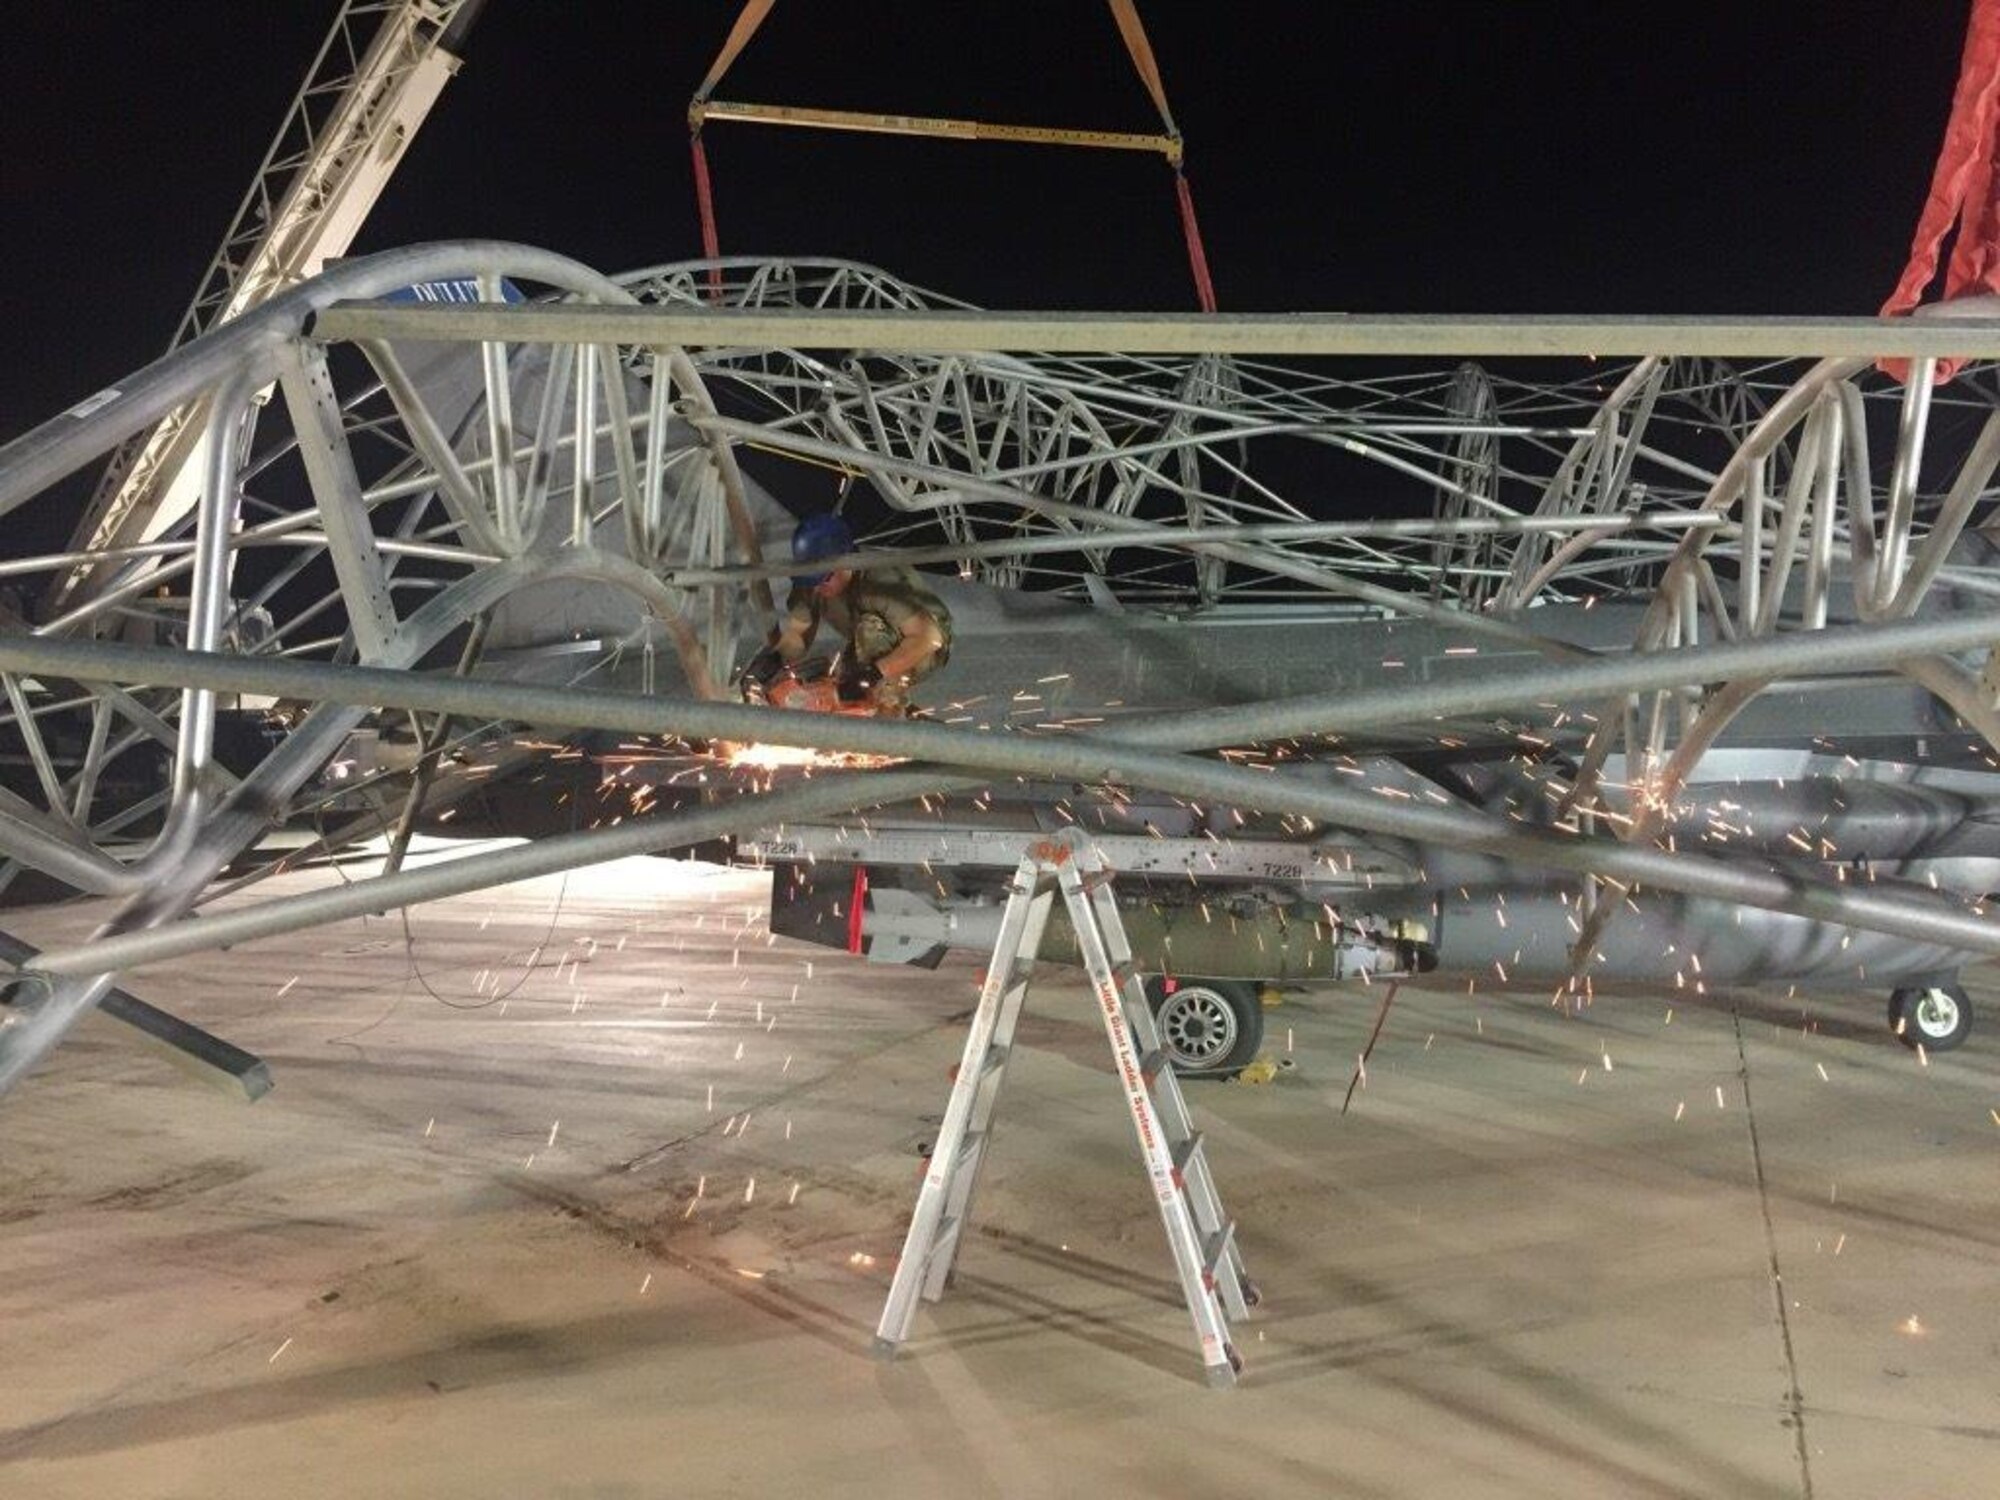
375	78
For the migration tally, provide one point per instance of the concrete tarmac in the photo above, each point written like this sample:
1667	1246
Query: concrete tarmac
591	1188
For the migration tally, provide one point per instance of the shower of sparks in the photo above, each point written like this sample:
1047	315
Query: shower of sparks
760	757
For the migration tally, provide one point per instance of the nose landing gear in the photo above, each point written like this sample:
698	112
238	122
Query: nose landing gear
1935	1017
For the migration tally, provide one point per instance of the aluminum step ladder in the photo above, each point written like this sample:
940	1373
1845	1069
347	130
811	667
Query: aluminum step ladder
1203	1241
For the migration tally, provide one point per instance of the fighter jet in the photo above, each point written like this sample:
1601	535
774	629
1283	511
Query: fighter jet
1548	652
1538	673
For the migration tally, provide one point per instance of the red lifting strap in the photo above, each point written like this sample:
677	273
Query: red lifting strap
1204	289
1133	30
1962	188
1124	12
747	21
705	204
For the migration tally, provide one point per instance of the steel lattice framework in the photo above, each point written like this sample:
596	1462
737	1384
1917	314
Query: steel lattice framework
412	480
368	89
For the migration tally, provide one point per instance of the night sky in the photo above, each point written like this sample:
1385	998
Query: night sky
1750	158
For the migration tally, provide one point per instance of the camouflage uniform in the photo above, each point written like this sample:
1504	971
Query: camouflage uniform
875	612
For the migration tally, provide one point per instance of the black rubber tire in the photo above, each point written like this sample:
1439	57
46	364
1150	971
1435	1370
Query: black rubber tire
1936	1017
1211	1028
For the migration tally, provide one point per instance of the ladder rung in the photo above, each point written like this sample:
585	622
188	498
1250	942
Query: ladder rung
1186	1151
1151	1063
992	1062
944	1239
968	1149
1095	880
1122	974
1216	1250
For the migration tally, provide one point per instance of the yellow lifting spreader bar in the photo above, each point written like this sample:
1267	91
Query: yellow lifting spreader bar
1167	146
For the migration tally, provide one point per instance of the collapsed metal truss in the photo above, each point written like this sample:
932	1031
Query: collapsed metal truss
412	481
374	79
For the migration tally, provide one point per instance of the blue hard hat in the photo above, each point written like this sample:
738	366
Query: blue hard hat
824	535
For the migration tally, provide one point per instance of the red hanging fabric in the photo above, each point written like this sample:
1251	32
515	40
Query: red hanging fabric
1204	289
1962	189
705	205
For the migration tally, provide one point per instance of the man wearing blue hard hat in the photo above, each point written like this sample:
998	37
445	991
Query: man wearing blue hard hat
897	630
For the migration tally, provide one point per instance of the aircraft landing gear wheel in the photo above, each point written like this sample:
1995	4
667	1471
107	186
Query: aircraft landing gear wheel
1211	1028
1935	1017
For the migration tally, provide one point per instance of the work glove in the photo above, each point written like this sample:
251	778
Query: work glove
858	679
763	667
